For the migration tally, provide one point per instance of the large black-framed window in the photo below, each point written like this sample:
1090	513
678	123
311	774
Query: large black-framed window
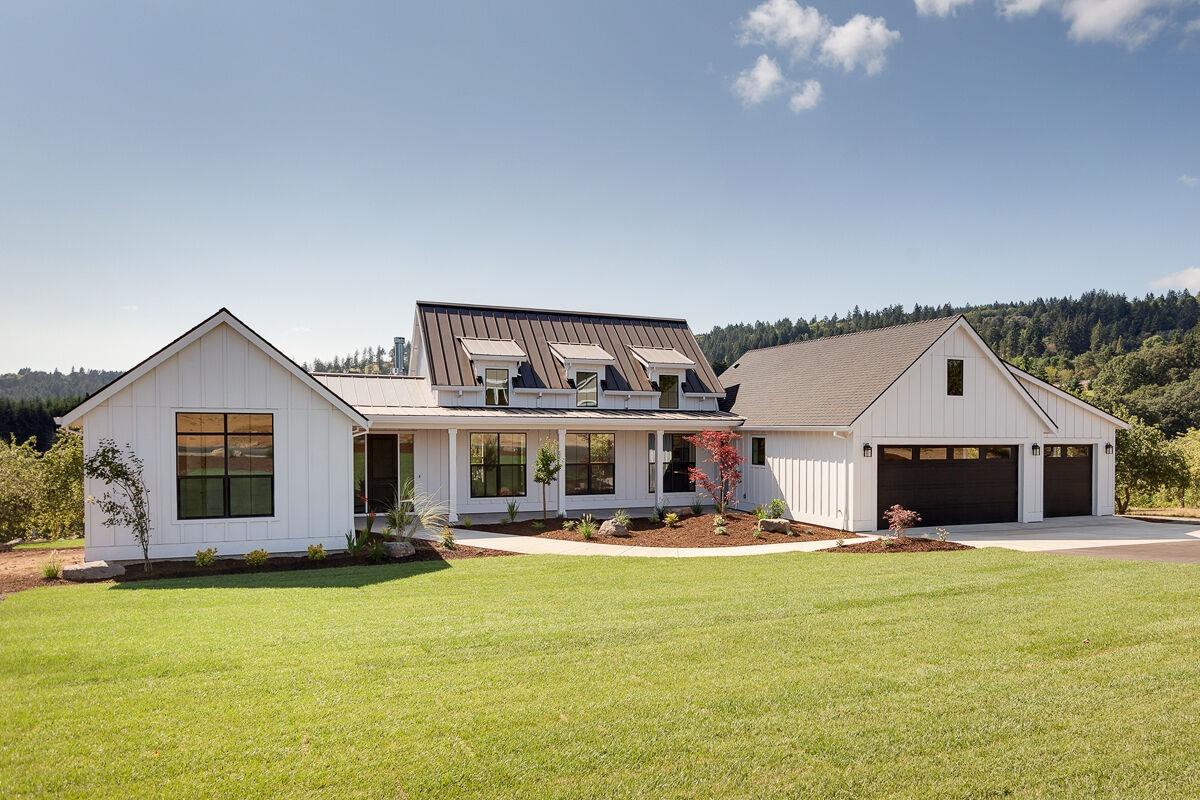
587	389
954	377
383	467
497	465
591	465
682	454
495	387
668	389
224	465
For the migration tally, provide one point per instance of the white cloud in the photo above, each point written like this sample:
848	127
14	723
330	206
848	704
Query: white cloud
940	8
1191	28
1128	22
1190	181
300	329
759	82
129	308
862	42
807	98
1184	279
784	24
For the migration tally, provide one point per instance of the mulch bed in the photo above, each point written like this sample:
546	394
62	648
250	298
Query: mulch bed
692	531
901	544
22	569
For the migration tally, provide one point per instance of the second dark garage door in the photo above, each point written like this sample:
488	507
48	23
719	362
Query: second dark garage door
949	485
1067	474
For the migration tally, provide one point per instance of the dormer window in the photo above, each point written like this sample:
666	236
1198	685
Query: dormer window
495	385
587	389
668	391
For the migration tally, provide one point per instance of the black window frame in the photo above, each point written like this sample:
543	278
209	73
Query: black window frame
663	393
590	465
677	470
501	394
226	500
955	377
498	466
595	390
758	451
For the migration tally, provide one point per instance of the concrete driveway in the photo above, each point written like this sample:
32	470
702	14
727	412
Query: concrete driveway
1104	537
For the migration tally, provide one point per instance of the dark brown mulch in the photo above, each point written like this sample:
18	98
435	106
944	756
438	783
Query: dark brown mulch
692	531
426	551
22	569
901	544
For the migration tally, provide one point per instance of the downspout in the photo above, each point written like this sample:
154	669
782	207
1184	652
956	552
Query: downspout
848	436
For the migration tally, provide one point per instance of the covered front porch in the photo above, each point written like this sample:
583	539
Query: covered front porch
479	462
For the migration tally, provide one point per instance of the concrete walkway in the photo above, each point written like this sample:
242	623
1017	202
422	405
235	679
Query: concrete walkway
537	545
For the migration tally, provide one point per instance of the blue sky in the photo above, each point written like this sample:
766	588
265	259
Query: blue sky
316	168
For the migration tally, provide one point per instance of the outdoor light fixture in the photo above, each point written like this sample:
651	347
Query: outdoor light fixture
1036	449
866	451
1108	448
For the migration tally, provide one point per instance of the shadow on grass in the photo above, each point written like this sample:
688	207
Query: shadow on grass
333	577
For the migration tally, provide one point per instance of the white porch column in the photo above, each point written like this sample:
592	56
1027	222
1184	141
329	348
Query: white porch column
660	469
452	485
562	477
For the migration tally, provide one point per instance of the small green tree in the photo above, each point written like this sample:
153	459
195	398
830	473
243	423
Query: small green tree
60	488
1146	463
18	487
127	502
546	466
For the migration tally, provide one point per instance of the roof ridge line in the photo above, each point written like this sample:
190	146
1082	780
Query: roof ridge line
563	312
849	334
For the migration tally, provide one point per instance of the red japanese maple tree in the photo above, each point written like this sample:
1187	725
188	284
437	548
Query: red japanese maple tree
724	453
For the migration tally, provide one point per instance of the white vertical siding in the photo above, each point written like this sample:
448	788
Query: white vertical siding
807	470
223	371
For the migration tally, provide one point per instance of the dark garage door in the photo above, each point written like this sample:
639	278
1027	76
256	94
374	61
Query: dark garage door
1067	475
949	485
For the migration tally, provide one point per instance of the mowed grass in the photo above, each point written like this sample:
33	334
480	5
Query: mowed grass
984	674
55	544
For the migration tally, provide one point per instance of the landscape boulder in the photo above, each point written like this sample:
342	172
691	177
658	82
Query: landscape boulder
775	526
399	549
92	571
6	546
610	527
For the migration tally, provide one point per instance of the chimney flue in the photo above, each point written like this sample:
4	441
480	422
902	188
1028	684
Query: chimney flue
399	363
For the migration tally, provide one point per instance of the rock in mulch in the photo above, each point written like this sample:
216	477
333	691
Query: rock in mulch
92	571
775	526
8	546
610	527
399	549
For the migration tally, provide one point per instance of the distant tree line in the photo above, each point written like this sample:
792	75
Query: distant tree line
29	384
33	419
369	361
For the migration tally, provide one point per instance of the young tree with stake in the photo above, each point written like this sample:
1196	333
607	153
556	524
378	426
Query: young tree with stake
724	453
546	465
127	502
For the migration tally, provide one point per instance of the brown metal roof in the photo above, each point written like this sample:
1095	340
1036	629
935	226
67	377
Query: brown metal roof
442	324
827	381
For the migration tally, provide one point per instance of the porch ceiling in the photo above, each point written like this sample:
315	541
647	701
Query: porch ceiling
444	417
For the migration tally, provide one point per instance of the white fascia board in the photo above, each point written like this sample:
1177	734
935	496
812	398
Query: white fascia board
801	428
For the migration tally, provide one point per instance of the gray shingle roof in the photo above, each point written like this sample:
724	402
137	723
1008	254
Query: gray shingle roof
828	381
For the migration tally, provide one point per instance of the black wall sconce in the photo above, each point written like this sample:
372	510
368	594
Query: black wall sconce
866	451
1036	449
1108	448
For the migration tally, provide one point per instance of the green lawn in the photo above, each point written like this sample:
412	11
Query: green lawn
985	674
56	544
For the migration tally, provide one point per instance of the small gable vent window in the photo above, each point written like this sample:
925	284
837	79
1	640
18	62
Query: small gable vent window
586	389
954	377
495	387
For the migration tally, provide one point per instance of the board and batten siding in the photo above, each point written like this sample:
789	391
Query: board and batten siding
223	371
807	470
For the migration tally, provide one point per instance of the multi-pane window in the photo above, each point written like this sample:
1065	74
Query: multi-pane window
652	451
954	377
495	384
758	451
676	476
587	389
591	465
497	465
668	387
224	465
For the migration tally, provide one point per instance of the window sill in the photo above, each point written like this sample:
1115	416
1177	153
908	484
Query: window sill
210	520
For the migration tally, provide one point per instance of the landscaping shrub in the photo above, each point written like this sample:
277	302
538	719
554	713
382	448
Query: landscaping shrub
941	534
777	509
622	518
447	539
376	552
900	519
511	508
316	552
658	514
587	526
671	520
52	567
466	522
256	558
206	557
718	521
697	507
537	524
569	524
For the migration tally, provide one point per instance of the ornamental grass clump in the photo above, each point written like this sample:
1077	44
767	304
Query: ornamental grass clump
697	507
587	526
447	538
511	509
569	524
622	518
52	567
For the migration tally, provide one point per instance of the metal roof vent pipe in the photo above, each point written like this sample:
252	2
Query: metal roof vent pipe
399	360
